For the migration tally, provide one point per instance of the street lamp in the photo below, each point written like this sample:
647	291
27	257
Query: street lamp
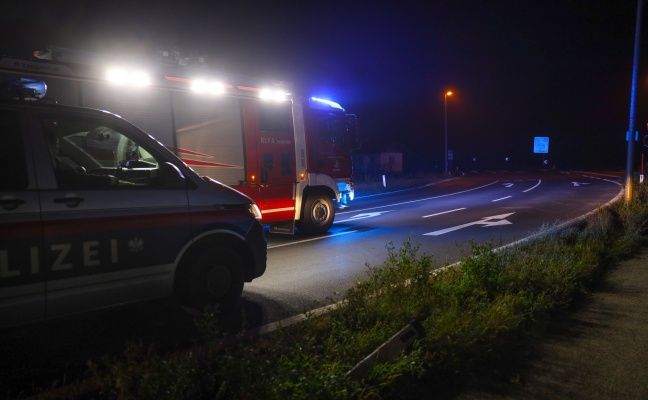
445	103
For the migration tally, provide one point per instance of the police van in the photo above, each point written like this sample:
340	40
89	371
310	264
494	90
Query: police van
95	213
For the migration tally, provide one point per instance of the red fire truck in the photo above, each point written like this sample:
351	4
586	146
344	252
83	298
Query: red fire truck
291	154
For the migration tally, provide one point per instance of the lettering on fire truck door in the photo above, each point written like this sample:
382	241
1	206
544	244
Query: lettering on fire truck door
270	142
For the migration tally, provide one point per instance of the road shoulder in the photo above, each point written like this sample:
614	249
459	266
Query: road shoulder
598	351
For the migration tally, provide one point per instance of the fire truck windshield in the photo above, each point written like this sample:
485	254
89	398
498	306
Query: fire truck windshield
331	128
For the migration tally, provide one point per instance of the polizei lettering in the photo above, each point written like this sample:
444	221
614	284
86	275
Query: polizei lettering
61	256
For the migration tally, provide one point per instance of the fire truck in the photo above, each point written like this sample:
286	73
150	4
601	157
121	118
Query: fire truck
289	153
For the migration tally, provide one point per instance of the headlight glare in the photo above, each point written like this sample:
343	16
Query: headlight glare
253	209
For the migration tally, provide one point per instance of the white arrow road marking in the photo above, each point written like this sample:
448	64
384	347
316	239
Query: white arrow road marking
579	183
494	220
365	215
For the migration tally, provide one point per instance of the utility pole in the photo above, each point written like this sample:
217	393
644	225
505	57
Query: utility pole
633	100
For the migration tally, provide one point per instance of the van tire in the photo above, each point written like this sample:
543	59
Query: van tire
318	214
215	278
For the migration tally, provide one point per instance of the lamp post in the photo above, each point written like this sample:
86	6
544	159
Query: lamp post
445	103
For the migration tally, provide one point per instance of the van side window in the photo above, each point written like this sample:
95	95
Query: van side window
89	155
13	165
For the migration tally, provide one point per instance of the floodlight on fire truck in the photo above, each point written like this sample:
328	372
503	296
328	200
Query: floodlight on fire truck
123	76
202	86
273	94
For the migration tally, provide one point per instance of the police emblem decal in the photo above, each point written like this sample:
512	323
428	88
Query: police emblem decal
136	244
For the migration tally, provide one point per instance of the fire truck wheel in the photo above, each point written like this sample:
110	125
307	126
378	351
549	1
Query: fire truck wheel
318	214
214	279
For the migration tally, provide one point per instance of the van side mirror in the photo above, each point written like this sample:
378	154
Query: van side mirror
169	176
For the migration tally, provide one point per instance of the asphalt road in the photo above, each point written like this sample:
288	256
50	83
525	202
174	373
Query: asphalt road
442	217
308	272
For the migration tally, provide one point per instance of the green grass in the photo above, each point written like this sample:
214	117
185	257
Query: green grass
475	316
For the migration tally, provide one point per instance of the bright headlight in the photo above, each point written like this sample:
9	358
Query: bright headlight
254	211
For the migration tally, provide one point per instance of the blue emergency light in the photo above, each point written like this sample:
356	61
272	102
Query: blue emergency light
23	89
323	104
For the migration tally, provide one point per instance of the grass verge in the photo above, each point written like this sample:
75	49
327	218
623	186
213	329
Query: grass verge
473	316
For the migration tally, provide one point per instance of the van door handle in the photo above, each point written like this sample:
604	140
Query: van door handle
71	201
11	204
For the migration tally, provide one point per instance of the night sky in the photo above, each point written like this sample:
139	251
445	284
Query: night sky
518	69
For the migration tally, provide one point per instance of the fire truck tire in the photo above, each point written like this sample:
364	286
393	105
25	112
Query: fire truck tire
318	214
215	278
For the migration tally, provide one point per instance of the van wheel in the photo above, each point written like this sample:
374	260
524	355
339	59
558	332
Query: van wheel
214	279
318	214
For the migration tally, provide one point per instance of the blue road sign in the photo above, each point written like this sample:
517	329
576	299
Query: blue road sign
541	144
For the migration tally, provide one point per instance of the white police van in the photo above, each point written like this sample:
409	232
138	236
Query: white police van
96	213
